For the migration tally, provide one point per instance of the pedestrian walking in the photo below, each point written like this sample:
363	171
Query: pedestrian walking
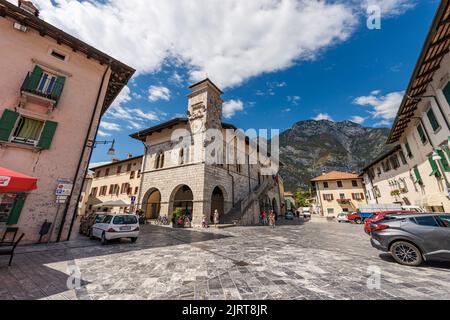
204	222
264	218
216	217
272	219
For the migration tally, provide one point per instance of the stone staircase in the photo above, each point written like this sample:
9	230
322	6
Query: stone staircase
235	215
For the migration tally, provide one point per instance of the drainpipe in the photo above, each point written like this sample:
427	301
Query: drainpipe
80	161
144	159
249	175
232	184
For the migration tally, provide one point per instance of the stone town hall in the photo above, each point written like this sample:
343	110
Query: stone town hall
177	175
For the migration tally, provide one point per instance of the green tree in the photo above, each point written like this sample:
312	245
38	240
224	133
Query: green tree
302	197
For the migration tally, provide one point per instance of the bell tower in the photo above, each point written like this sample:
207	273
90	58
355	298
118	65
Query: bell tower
205	106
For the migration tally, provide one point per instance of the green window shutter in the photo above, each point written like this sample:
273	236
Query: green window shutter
59	86
423	137
16	209
446	91
444	161
34	78
408	150
47	135
433	121
418	177
434	167
7	123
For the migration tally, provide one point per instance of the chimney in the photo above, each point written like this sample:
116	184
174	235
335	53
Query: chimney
130	156
29	7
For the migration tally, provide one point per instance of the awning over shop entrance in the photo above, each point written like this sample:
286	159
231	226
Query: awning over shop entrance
112	204
12	181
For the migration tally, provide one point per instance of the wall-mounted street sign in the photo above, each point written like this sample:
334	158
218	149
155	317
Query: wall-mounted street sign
63	190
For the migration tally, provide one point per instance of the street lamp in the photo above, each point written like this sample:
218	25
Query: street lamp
111	151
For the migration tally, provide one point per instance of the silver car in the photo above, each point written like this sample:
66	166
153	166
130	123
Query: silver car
411	239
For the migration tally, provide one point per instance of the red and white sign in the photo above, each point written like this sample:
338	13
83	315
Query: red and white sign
4	181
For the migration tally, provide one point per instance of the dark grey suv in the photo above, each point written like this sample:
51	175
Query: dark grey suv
411	239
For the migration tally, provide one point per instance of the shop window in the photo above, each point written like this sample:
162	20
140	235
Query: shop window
11	205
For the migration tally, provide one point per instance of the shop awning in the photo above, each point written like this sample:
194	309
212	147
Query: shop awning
12	181
112	204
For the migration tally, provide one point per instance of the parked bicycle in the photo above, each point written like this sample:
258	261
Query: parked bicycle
162	221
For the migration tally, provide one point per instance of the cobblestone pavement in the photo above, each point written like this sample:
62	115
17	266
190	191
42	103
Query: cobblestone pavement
295	261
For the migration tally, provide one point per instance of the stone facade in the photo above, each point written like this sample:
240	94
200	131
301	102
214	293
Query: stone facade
178	161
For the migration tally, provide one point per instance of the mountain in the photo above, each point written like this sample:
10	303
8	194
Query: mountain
311	147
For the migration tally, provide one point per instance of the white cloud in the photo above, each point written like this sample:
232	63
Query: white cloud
129	114
323	116
156	93
385	107
230	108
98	164
294	99
233	41
110	126
390	8
101	133
358	119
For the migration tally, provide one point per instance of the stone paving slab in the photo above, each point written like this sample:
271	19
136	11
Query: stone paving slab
295	261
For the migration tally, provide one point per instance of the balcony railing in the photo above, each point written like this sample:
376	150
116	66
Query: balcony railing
47	87
344	201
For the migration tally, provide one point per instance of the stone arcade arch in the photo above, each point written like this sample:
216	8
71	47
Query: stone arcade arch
152	203
183	198
217	202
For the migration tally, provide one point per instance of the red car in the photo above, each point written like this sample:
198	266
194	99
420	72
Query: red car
377	216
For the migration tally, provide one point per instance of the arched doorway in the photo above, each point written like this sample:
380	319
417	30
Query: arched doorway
152	204
217	202
183	199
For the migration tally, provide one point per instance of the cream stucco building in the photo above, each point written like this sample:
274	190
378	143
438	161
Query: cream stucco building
115	186
417	170
338	192
188	165
53	90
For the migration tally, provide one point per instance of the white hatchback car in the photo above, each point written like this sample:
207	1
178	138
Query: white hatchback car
342	217
116	226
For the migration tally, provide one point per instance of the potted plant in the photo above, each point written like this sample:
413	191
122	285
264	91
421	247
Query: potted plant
176	215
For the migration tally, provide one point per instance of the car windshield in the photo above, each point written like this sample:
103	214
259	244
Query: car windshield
120	220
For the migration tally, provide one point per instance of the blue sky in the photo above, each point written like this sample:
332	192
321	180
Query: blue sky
319	62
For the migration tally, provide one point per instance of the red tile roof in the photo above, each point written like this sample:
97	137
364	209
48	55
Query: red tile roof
336	175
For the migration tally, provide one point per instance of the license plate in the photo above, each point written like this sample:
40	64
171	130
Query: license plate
125	228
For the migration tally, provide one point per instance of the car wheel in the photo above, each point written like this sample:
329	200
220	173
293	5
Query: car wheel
358	221
89	234
406	253
104	240
134	240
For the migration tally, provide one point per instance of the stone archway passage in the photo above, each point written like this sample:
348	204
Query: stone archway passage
184	199
217	202
153	204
